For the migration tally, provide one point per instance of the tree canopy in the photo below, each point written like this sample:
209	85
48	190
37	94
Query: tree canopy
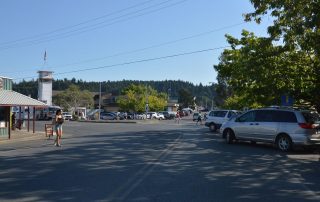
135	97
171	87
258	70
73	98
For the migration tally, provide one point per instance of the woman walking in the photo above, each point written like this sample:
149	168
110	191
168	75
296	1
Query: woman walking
58	126
177	118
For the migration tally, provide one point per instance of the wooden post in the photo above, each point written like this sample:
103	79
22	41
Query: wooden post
8	111
20	121
34	118
28	119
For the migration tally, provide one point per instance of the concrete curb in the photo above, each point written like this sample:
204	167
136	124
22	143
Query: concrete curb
106	121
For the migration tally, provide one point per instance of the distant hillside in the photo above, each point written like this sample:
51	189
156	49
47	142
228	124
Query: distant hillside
204	94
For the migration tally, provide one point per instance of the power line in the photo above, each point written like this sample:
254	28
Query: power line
156	45
148	47
135	62
75	25
88	28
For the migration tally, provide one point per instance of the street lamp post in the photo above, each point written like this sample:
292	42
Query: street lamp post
147	101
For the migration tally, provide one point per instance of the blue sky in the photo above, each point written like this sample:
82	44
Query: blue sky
113	38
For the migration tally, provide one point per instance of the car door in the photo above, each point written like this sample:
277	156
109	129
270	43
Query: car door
244	126
266	126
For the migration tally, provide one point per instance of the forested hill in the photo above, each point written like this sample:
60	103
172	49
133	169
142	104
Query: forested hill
171	87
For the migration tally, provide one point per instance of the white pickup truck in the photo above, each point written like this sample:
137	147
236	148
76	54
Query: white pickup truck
216	118
155	115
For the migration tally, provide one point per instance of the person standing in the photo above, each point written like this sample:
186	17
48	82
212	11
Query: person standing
177	119
13	120
199	119
58	121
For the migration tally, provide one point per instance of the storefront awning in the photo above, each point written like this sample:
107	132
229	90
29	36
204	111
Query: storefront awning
12	98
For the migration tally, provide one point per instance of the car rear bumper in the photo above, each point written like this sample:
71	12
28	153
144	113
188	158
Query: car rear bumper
209	123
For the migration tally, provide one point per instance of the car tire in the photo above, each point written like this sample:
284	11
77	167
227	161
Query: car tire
284	143
229	136
212	127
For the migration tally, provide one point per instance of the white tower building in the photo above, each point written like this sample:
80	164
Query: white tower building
45	87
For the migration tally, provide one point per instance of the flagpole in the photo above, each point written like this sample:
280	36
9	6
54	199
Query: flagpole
45	59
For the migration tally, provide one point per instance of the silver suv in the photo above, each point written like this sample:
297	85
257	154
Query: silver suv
216	118
282	127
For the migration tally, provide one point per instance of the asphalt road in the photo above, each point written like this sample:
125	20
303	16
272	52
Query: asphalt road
153	161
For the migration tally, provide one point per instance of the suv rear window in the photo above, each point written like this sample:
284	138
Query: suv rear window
311	117
219	113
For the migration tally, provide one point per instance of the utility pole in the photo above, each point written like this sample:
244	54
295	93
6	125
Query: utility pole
100	101
212	97
147	101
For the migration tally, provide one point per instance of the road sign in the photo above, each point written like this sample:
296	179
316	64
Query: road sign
286	100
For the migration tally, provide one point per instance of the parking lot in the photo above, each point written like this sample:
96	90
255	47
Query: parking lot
153	161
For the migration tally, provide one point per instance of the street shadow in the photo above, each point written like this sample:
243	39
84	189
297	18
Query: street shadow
171	165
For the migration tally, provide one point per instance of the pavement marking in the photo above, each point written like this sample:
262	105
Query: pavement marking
122	192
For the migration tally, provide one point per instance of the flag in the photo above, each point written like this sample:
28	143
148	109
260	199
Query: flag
45	56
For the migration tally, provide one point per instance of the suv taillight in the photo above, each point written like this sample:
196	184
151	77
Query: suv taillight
306	125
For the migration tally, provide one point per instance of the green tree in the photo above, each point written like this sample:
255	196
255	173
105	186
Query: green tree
185	98
73	98
260	72
135	97
296	23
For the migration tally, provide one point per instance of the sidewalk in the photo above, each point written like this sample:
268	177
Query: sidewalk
22	135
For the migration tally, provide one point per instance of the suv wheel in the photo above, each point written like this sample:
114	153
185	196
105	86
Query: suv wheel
229	137
284	143
212	127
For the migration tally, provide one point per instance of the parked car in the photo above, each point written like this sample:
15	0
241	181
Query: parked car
108	116
283	127
168	115
160	116
155	115
216	118
141	116
67	115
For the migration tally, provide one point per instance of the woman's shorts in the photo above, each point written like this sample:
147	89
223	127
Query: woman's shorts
58	126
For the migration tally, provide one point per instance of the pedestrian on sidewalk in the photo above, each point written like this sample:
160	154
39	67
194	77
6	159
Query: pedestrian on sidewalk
58	121
199	119
177	118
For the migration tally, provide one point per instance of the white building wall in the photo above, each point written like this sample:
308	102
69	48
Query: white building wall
45	92
45	87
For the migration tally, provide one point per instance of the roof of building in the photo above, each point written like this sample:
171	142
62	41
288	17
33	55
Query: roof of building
3	77
12	98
